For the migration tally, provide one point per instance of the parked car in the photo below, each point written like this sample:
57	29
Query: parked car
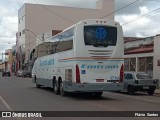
19	73
26	73
6	73
138	81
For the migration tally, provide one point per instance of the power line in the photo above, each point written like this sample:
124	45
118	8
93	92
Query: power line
120	9
21	37
144	15
153	0
54	13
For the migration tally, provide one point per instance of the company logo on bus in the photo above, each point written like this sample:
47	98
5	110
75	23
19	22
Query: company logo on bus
46	62
85	66
99	68
101	33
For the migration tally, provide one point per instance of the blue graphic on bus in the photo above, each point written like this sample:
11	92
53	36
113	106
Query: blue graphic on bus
101	33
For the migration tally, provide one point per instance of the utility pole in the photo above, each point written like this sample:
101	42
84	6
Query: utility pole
2	61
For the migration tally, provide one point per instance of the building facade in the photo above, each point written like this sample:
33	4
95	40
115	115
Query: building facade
36	19
8	59
143	55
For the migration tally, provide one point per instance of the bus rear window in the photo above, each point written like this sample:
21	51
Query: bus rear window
100	36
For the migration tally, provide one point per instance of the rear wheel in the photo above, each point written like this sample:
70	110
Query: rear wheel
130	90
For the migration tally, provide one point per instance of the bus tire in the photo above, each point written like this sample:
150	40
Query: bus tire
62	92
53	82
37	85
56	88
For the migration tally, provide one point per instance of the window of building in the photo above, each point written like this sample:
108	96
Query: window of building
142	64
126	64
132	64
19	33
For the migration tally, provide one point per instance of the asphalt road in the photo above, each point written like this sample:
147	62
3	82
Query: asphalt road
20	94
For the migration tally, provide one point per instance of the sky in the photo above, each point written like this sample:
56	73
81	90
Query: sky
133	26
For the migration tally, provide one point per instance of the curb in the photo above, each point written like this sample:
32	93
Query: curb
157	91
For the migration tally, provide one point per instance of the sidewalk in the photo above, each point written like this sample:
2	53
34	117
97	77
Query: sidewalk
157	91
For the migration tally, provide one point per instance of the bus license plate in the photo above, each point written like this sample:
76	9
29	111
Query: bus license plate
145	87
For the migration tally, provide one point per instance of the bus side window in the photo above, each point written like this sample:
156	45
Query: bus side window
62	42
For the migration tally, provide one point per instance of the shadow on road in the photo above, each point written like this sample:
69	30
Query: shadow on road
135	94
80	96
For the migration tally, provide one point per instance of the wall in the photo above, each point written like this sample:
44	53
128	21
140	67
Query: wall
138	42
156	68
8	62
2	66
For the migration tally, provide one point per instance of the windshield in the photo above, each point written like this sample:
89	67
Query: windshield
100	36
143	76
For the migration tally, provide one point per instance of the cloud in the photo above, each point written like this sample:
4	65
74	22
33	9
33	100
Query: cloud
139	27
8	27
131	9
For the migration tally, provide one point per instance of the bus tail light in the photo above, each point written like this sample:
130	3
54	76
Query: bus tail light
77	75
121	73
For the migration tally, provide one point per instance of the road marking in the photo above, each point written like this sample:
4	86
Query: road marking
8	107
5	103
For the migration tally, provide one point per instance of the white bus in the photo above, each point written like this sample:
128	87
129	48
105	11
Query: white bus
86	57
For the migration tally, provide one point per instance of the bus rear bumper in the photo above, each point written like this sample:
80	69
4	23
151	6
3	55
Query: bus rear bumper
92	87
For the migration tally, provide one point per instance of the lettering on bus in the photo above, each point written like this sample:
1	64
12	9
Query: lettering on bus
85	66
46	62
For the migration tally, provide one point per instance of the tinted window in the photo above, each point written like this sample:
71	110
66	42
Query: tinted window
128	76
63	41
100	36
68	35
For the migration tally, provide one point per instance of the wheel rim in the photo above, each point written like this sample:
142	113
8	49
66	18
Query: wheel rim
55	87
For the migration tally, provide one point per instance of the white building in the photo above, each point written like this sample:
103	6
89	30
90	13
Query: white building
156	61
143	54
35	19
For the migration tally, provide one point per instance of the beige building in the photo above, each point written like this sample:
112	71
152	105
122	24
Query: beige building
2	65
8	59
36	19
156	60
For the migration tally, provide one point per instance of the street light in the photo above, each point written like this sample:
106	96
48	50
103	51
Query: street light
11	43
30	43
